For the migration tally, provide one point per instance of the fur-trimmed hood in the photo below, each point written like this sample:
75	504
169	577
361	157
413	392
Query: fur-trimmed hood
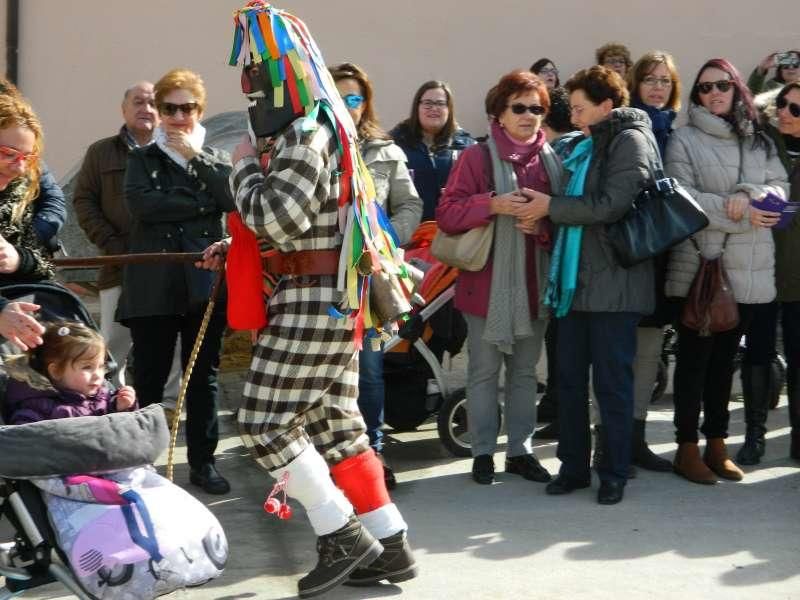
19	368
765	103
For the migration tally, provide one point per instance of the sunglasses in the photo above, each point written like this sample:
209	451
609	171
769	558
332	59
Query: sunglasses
519	109
723	85
794	108
11	155
170	109
353	101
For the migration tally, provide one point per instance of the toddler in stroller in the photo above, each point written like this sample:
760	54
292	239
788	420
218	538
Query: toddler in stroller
76	483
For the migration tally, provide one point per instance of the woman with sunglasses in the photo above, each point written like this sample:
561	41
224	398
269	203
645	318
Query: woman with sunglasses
780	111
547	72
502	302
724	160
24	258
432	141
177	190
395	192
23	255
787	70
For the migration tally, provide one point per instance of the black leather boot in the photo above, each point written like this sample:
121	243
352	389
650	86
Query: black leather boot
755	391
641	455
394	565
793	391
340	553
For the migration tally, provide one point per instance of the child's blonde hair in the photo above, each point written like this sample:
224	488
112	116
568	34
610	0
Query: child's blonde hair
63	344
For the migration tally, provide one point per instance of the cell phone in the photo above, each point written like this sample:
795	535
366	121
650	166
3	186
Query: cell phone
787	59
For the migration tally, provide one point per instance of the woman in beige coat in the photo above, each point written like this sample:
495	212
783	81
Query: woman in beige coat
724	161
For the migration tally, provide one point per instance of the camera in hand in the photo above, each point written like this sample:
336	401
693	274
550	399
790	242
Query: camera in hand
788	59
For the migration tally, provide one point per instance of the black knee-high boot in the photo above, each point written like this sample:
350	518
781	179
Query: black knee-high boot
755	390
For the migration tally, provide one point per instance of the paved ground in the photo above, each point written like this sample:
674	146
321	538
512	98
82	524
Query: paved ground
668	539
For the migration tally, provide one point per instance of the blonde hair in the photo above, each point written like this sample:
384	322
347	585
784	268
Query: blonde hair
63	344
16	112
181	79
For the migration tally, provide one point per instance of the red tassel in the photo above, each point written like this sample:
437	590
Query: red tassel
246	309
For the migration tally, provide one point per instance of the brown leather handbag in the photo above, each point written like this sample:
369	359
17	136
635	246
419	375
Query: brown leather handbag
710	306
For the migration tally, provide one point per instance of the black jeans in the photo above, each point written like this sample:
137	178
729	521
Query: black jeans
762	334
607	342
703	377
154	341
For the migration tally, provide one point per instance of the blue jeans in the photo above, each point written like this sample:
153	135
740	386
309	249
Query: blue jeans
371	392
606	342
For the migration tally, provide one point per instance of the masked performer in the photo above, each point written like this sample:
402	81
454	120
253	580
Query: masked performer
302	188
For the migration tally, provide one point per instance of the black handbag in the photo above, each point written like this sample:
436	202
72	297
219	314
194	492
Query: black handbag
663	215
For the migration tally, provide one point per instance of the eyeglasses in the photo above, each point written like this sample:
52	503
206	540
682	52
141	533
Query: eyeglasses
723	85
651	81
615	62
429	104
10	156
353	101
170	109
549	71
794	108
519	109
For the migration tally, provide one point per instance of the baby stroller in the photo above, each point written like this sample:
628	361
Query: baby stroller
413	356
66	528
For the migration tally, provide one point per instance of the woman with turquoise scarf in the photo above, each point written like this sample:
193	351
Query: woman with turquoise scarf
502	302
598	301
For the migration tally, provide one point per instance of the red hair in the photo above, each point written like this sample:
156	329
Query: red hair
511	84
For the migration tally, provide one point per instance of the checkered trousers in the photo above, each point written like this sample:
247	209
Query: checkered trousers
303	382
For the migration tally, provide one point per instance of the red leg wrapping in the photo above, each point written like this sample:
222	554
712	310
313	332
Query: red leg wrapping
361	480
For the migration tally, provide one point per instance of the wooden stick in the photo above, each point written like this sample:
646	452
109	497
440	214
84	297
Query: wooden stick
77	262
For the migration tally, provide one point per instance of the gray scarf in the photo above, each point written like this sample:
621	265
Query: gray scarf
509	314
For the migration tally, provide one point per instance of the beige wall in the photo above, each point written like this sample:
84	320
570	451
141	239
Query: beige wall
77	57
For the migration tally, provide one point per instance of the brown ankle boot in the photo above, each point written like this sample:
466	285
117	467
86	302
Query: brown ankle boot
717	459
687	464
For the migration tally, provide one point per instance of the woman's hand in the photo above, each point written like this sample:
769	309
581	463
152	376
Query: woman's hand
537	206
768	63
763	218
19	327
9	257
182	144
126	398
505	204
214	256
529	226
736	205
243	148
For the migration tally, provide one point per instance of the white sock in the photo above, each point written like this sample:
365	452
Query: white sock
384	521
310	484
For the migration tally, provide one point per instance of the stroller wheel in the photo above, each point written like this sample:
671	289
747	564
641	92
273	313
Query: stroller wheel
453	425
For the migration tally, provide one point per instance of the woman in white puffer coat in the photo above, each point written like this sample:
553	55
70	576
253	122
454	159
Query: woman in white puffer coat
723	159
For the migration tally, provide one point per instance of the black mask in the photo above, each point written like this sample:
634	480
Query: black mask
265	118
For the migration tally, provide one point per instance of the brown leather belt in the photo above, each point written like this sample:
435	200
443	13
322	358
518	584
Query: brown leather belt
303	262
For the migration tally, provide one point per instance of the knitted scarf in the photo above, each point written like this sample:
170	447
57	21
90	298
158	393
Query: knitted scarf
661	120
563	277
509	315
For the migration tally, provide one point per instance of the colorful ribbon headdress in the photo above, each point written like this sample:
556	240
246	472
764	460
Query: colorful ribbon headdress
281	46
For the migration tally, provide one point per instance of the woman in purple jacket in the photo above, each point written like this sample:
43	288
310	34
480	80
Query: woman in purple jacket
501	303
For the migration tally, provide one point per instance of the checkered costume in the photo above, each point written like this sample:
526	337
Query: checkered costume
303	382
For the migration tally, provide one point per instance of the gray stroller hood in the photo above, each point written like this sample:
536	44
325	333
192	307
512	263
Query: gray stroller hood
81	445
